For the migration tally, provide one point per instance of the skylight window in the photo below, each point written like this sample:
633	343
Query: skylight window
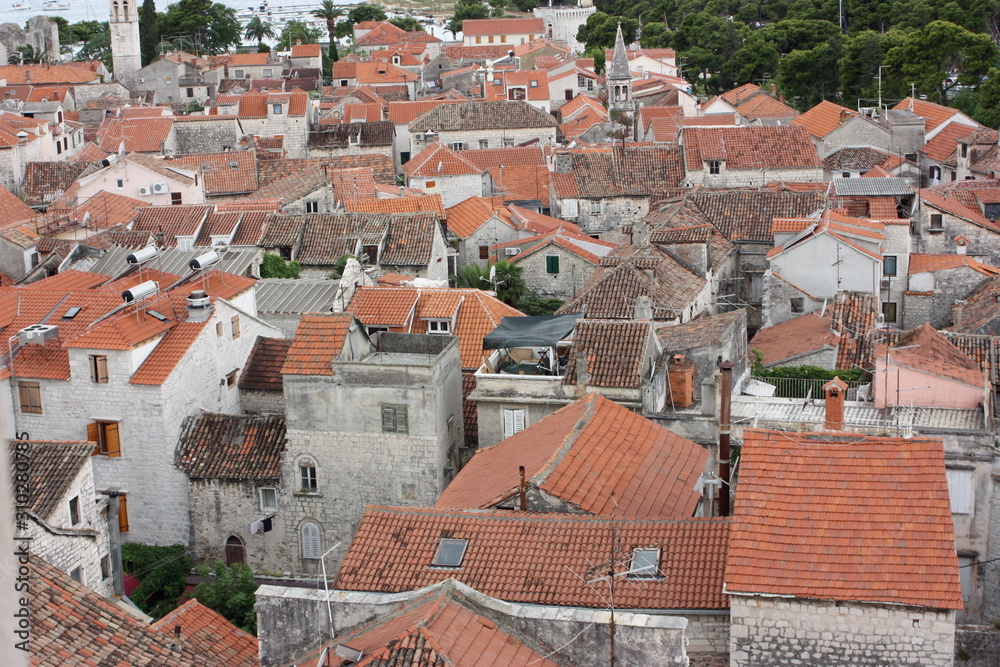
71	313
645	564
450	553
157	314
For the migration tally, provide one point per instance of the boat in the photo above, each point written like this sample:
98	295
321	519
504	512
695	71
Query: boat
20	6
55	5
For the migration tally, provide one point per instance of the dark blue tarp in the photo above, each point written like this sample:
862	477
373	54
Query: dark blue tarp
539	331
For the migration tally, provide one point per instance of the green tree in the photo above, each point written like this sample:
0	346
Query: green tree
407	23
497	7
365	12
163	572
600	30
97	46
65	31
508	280
928	58
273	266
339	265
230	592
27	55
466	10
809	77
212	27
654	36
295	31
257	30
864	53
330	13
533	304
707	43
757	59
988	109
149	34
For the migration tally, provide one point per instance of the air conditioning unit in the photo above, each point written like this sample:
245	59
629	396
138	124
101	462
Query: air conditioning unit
37	334
160	188
511	251
419	136
145	191
884	283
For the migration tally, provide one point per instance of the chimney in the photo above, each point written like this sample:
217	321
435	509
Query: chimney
643	309
640	234
960	244
959	305
774	89
178	643
582	373
834	391
563	163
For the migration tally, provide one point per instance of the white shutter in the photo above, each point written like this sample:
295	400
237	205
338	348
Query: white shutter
518	420
311	545
569	208
508	423
960	490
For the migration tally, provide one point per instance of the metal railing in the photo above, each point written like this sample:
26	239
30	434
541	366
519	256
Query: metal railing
808	388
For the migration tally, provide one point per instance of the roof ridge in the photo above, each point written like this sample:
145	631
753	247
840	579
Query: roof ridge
569	441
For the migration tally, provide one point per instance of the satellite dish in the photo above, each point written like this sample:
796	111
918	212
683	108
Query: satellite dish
86	217
493	274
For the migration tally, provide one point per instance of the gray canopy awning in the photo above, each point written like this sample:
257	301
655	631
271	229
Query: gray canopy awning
542	330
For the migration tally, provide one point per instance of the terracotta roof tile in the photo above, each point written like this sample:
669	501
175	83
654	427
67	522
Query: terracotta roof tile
263	367
401	113
211	633
45	182
774	147
229	173
926	350
469	215
791	535
617	172
933	114
747	215
532	558
616	351
507	157
140	135
48	73
73	625
482	116
53	466
863	159
108	209
942	147
306	51
231	447
438	160
91	152
921	263
634	469
386	307
793	338
173	221
168	352
13	209
824	118
318	342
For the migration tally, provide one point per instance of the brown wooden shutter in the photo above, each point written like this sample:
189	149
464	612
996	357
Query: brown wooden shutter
111	439
102	369
94	436
122	514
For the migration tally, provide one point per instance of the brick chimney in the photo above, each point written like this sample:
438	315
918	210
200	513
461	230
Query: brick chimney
834	391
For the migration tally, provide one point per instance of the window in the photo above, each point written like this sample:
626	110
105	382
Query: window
491	39
74	510
343	82
190	92
935	173
889	311
105	566
513	421
76	574
122	513
237	74
30	394
569	208
430	184
508	143
369	253
231	379
276	108
407	491
714	167
235	321
889	265
105	434
552	264
756	288
170	78
450	552
372	330
176	198
438	326
581	81
595	207
645	564
312	543
846	174
268	499
99	368
267	74
796	304
937	222
960	488
965	150
58	148
479	40
484	143
457	146
312	207
395	419
534	83
503	39
966	576
219	328
307	477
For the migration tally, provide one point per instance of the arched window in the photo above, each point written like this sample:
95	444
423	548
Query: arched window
307	476
114	10
234	550
312	542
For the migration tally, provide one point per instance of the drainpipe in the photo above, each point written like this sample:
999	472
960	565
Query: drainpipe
115	542
725	405
522	490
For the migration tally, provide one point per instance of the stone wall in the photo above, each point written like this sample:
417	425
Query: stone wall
206	134
856	132
746	178
982	241
977	646
613	213
295	129
989	574
42	35
950	286
574	271
453	189
788	631
262	402
494	138
292	621
777	301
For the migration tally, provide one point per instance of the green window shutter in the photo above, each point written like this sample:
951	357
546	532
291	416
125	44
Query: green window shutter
552	264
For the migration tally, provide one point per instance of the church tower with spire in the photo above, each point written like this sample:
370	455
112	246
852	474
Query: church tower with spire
126	55
619	77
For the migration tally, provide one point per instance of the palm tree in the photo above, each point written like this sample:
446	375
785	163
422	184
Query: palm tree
258	30
329	13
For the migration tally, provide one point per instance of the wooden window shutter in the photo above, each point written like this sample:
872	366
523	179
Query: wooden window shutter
94	436
518	421
388	419
401	420
111	439
122	514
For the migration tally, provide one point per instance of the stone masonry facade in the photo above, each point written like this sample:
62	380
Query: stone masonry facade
768	632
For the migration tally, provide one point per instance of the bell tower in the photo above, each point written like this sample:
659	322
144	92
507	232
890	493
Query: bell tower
126	55
618	76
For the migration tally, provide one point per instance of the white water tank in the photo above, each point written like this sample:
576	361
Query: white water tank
140	291
143	255
204	261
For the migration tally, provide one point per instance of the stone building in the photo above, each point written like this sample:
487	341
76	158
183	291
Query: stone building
878	585
556	265
618	84
126	54
351	139
562	22
940	283
833	127
726	157
440	169
261	385
65	517
943	221
477	224
41	34
125	377
233	466
272	114
370	421
482	125
180	78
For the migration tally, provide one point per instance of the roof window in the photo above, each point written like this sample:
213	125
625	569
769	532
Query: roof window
157	315
645	564
450	553
71	313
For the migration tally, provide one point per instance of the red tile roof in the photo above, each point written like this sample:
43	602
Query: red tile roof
13	209
48	73
773	147
108	209
795	337
228	173
933	114
926	350
401	113
318	342
140	135
231	447
263	367
920	263
306	51
168	352
595	455
844	517
209	633
437	160
485	158
469	215
944	144
53	467
824	118
538	558
420	204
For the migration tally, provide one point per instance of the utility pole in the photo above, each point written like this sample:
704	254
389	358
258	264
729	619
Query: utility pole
725	399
